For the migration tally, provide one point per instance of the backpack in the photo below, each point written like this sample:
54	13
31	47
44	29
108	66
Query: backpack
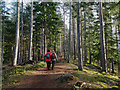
53	56
48	56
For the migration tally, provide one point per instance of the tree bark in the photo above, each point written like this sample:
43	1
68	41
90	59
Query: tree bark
39	47
111	49
55	44
2	54
80	62
81	37
60	44
42	41
44	32
64	34
31	33
44	45
73	21
103	54
34	46
69	45
106	43
21	52
24	50
1	46
90	60
116	32
36	49
85	47
17	36
18	57
119	44
112	66
2	36
119	49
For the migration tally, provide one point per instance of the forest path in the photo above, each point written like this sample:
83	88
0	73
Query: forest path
42	78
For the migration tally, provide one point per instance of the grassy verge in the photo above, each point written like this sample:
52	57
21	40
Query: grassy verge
14	75
92	75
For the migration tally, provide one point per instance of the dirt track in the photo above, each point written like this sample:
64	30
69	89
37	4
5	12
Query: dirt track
42	78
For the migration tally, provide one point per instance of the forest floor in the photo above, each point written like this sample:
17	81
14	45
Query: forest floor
90	77
43	78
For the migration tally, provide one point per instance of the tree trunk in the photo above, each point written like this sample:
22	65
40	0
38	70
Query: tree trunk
103	54
111	50
81	46
119	44
116	32
36	49
80	62
42	41
18	57
31	33
34	46
21	52
39	47
1	46
44	31
90	59
119	50
2	33
73	21
24	50
85	47
60	44
17	36
64	35
67	41
44	45
2	54
106	42
112	66
55	44
69	45
89	43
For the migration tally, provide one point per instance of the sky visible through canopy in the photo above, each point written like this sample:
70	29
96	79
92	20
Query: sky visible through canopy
8	4
62	1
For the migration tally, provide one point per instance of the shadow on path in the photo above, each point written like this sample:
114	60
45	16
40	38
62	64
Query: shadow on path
42	78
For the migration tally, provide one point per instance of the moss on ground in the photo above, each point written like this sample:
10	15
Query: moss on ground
91	74
14	75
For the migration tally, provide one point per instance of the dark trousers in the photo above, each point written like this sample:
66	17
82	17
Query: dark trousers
48	65
53	64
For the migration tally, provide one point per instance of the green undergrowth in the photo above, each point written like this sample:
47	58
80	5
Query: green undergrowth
58	61
14	75
91	74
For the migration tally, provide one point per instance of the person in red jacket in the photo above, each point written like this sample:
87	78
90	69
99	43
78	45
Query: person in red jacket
48	59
